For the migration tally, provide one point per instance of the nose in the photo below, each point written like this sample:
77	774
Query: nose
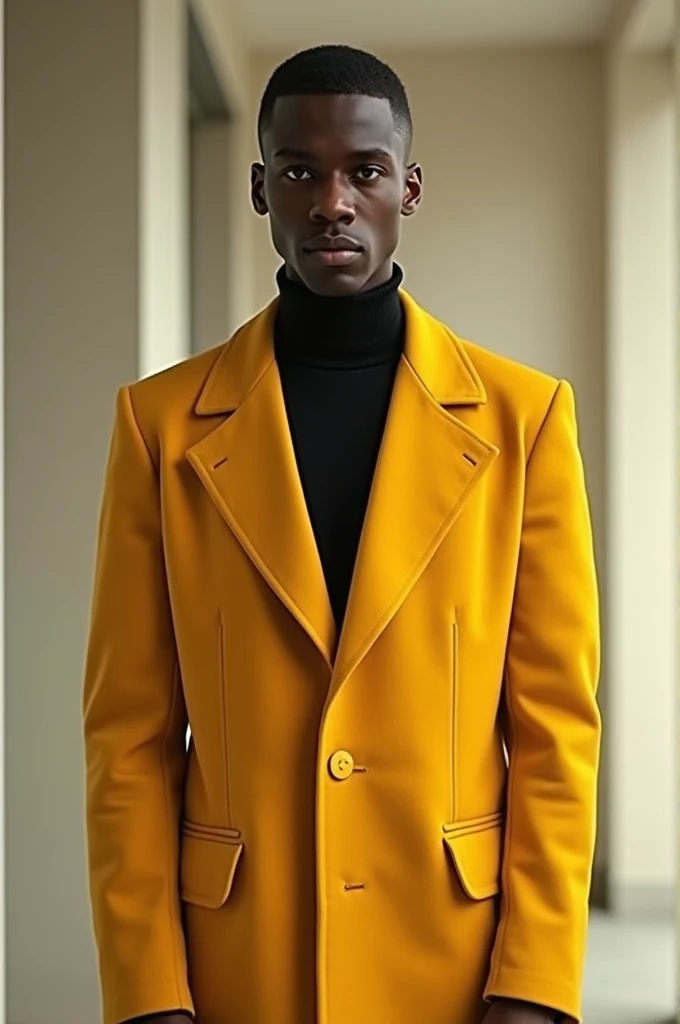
332	202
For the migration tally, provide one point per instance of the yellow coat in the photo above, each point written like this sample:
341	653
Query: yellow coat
375	828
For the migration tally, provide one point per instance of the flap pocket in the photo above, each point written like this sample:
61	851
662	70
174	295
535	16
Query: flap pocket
476	850
207	869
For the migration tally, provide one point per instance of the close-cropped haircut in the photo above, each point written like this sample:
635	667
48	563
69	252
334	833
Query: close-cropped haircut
341	71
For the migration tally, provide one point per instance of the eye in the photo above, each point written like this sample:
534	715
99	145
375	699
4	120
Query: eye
369	173
296	174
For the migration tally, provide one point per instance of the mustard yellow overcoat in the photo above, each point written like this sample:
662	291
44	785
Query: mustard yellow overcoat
378	827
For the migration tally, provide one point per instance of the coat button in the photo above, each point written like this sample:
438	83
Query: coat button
341	764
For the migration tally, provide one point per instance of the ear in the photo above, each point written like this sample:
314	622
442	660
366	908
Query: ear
413	191
257	195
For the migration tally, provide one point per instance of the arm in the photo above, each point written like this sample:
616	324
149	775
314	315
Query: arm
134	728
553	731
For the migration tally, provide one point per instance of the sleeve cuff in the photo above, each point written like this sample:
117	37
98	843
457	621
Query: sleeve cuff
176	1012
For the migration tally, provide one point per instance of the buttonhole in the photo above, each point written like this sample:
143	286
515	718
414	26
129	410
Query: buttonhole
220	463
468	458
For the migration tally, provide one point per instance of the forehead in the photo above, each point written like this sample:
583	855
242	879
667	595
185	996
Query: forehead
318	123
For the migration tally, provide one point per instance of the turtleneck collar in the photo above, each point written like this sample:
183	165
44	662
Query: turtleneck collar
347	332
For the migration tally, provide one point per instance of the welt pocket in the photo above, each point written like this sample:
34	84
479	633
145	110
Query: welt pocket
208	862
214	832
475	847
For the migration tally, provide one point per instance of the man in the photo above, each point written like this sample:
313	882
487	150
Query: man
353	553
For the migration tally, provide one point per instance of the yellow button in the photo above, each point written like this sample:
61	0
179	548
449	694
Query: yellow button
341	764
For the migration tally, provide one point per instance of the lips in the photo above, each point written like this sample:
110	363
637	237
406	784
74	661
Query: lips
333	243
334	250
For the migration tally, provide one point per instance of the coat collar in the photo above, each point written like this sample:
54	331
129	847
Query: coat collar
434	352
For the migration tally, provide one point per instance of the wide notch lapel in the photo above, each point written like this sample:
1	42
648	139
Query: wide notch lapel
248	467
428	465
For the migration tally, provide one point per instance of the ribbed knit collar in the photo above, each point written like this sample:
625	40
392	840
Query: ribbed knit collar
346	332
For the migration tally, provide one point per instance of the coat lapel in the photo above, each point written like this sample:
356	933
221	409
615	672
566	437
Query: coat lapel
428	464
248	467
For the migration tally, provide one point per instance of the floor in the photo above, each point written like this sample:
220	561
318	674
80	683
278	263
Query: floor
630	974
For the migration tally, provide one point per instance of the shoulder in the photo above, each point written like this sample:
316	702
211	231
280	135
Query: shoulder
172	392
509	381
506	384
519	396
163	402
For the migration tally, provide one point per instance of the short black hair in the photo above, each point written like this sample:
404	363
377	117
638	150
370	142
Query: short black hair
341	71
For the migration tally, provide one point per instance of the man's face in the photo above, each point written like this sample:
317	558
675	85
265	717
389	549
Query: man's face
335	185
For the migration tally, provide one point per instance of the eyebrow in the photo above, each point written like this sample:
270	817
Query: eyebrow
373	153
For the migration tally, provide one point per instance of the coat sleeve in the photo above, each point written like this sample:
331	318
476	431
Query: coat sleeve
134	730
553	736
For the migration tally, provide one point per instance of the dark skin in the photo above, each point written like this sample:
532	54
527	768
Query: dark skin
336	167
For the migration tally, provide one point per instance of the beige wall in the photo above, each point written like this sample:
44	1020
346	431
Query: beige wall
164	321
508	246
71	339
642	501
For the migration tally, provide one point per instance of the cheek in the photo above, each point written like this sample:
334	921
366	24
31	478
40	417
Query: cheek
382	208
387	224
282	218
278	202
286	217
279	236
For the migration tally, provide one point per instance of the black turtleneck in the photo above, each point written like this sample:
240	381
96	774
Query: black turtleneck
337	359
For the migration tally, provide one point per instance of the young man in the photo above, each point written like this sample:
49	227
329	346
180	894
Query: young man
353	552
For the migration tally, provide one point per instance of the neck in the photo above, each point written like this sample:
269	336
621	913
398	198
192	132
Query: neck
349	331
